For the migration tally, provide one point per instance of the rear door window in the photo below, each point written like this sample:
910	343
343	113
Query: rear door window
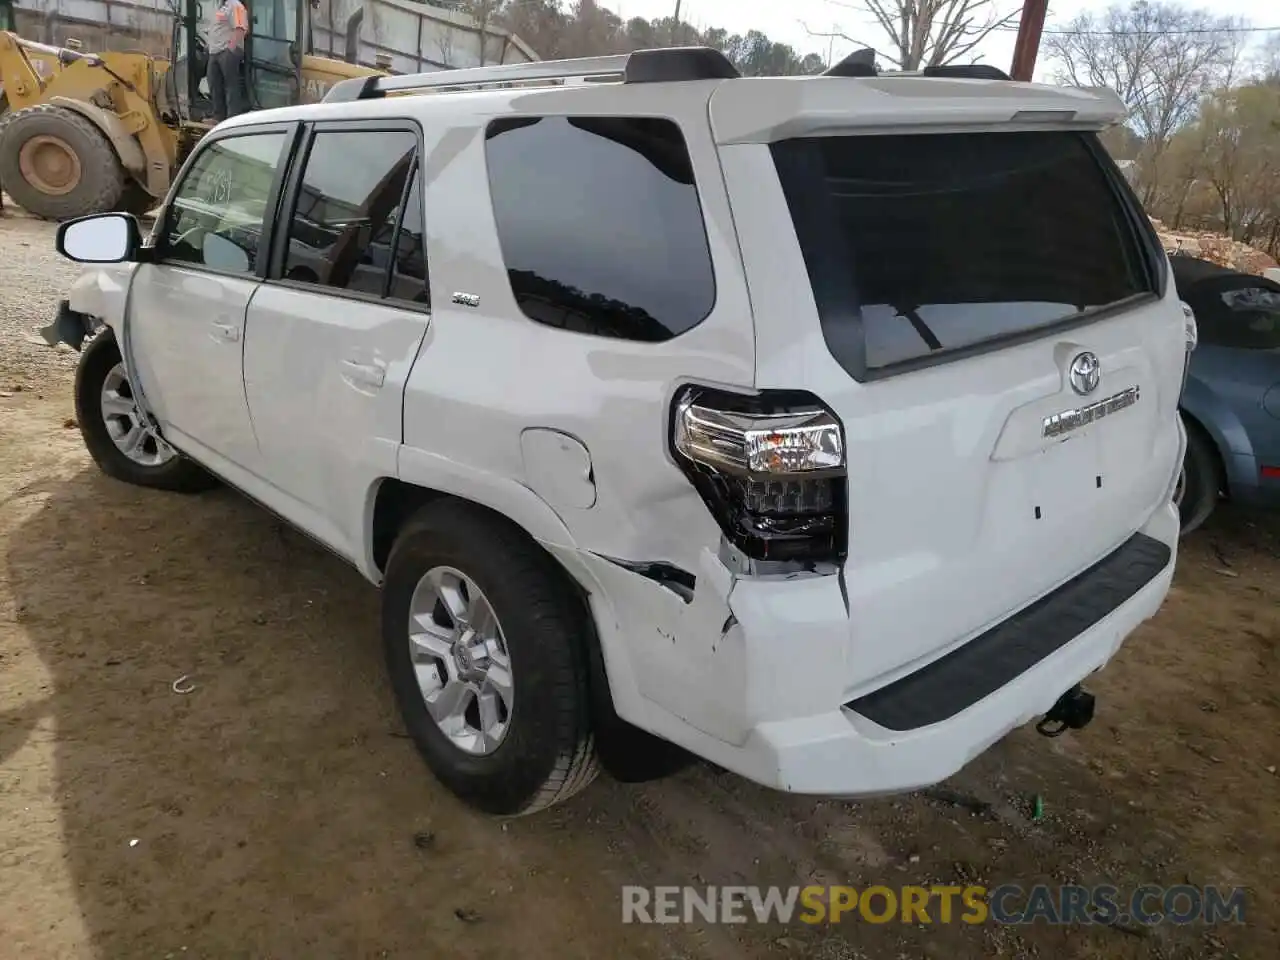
348	204
936	242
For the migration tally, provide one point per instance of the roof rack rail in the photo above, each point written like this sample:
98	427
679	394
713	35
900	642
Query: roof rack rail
860	63
969	71
661	65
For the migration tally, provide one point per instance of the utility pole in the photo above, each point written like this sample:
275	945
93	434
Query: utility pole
675	24
1027	46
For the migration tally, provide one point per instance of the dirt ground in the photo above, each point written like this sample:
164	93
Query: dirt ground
277	811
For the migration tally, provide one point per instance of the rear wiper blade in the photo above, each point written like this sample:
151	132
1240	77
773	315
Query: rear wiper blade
922	328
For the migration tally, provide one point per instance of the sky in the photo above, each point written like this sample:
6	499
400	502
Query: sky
787	20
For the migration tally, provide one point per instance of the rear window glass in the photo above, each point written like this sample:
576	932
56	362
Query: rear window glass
941	241
600	224
1245	316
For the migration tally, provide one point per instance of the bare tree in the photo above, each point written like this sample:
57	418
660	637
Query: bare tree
444	43
1239	139
484	13
1268	60
1161	58
931	33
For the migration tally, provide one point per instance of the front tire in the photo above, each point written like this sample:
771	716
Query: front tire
114	432
486	647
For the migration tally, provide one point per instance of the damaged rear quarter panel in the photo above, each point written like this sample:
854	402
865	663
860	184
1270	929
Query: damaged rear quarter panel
489	379
674	648
743	651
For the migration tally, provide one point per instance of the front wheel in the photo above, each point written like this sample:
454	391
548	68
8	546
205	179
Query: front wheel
486	646
115	433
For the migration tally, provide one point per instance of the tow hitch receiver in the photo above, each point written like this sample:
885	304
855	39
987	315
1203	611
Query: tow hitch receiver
1073	711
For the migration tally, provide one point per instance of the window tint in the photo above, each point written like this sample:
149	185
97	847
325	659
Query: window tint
344	220
217	213
941	241
600	225
1244	315
409	269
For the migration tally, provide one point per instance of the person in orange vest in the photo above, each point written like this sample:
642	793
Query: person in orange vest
228	25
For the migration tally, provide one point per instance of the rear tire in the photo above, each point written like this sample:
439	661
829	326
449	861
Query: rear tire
102	393
74	170
545	752
1201	481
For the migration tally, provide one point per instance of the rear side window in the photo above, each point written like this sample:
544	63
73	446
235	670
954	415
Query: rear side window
348	213
934	242
600	225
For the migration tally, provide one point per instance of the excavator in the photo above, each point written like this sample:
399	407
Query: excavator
84	133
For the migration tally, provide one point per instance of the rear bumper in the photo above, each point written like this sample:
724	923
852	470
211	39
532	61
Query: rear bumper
844	752
924	727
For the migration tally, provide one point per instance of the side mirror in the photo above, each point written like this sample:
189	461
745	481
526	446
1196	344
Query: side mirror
223	254
99	238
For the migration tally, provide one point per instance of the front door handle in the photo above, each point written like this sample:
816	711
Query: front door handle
364	374
226	331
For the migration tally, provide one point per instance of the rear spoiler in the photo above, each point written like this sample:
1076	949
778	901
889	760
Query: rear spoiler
852	97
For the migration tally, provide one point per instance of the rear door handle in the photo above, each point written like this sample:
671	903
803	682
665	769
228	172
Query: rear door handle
364	374
226	331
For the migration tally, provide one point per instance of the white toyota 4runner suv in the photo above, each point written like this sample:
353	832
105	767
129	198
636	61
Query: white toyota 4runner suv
824	428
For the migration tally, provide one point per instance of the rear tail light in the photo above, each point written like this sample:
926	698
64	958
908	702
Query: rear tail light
1191	334
770	467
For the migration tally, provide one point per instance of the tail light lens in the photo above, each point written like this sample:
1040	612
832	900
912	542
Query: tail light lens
1192	336
770	467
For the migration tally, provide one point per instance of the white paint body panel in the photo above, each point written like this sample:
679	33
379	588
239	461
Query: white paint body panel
188	330
566	435
324	377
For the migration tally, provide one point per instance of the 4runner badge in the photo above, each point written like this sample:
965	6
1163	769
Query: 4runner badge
1069	420
466	299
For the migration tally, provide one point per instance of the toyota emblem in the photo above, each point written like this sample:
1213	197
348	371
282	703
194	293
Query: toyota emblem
1085	373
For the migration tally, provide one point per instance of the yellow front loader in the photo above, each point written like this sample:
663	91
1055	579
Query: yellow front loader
84	133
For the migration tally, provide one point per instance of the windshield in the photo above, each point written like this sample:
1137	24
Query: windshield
277	19
1239	311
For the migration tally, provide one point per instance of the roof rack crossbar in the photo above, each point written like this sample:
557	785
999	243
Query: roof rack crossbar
862	63
668	64
966	71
